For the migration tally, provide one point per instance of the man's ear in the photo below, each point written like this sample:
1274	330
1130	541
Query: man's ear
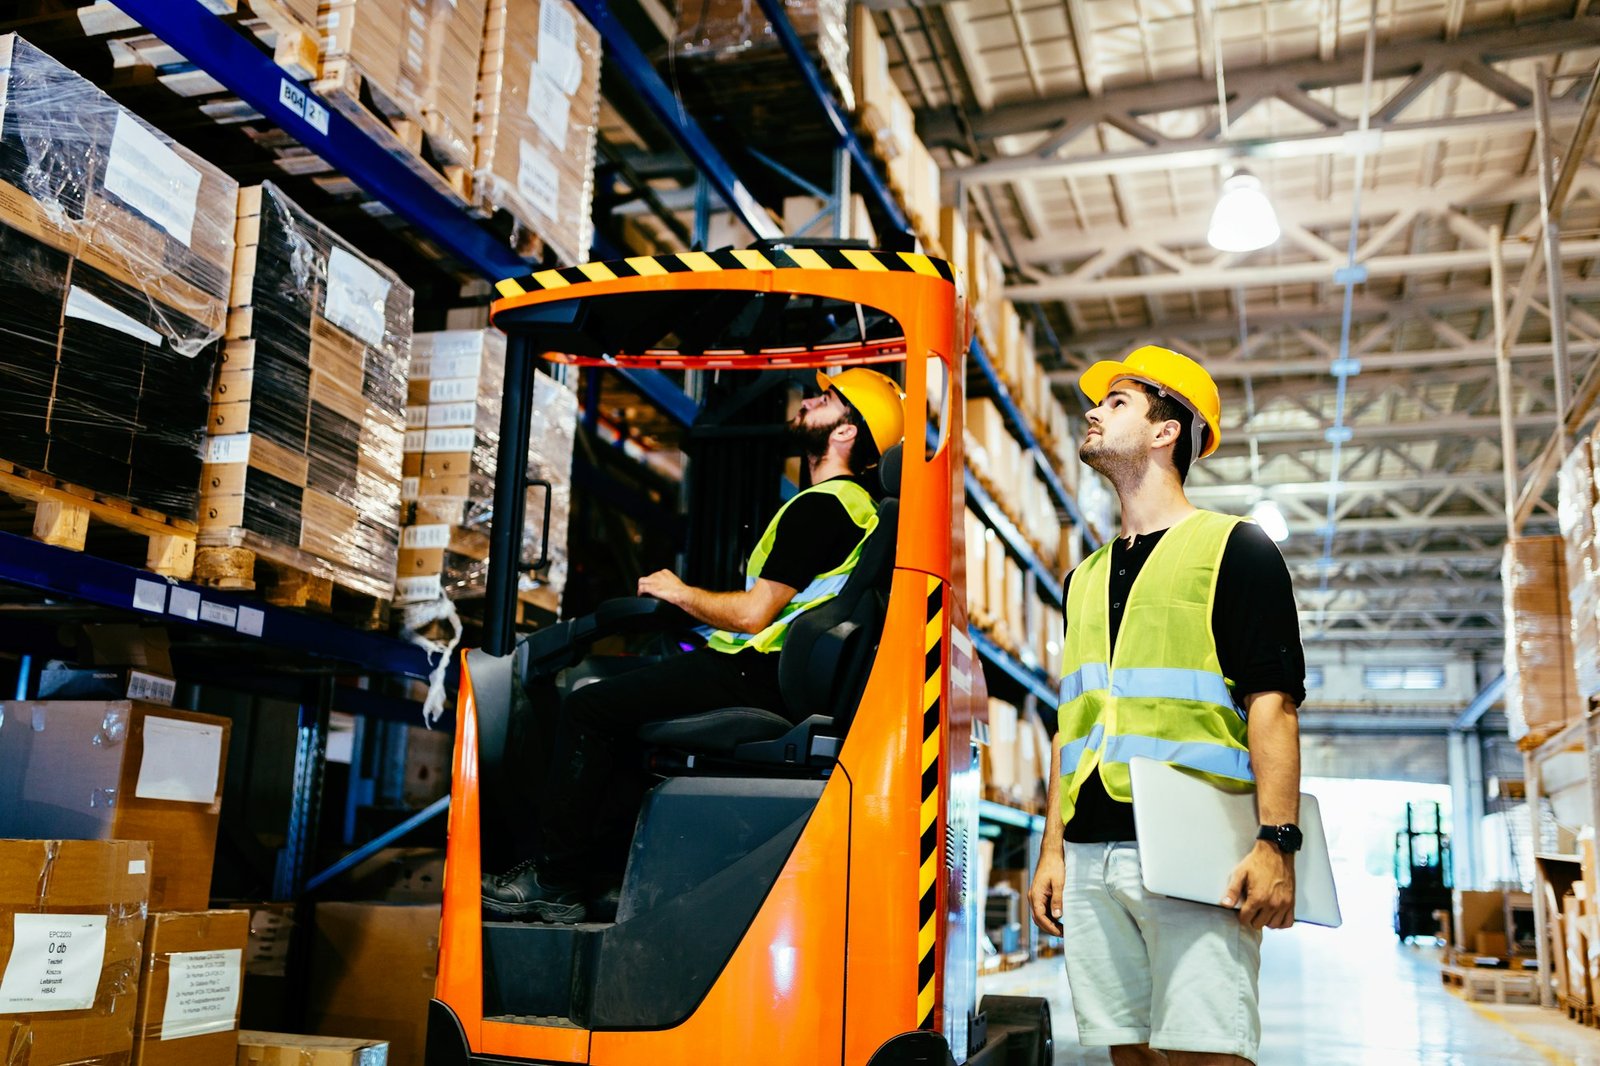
845	432
1168	433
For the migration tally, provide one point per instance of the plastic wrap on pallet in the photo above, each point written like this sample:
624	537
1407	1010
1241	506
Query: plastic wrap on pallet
1575	512
538	113
117	248
412	59
730	30
457	375
1541	689
308	407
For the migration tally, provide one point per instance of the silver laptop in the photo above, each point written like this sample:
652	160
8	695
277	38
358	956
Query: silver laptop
1192	835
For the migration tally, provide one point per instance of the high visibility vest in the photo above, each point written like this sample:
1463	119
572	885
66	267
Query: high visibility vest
863	512
1162	694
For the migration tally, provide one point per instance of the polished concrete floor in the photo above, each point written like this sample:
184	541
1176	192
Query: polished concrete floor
1355	997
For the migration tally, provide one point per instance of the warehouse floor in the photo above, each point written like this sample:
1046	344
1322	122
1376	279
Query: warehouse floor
1354	997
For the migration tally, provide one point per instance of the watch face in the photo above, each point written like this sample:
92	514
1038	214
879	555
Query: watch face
1289	837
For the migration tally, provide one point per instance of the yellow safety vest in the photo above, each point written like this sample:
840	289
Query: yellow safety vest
1162	695
863	512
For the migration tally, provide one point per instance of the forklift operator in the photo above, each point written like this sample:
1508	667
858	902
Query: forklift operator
802	560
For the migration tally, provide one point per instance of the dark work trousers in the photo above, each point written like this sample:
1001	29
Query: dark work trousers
591	794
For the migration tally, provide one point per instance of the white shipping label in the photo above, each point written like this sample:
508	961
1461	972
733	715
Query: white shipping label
180	761
453	390
413	589
218	613
538	181
558	45
415	440
452	414
416	416
466	365
409	487
424	538
421	365
357	295
455	344
151	178
233	448
55	963
548	106
202	993
151	688
88	307
449	440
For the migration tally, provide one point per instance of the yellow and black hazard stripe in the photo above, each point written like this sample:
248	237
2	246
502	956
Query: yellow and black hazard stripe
928	878
730	259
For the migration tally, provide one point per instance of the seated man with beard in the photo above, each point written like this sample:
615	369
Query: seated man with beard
801	561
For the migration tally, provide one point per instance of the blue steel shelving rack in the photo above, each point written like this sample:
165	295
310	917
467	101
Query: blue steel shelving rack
221	51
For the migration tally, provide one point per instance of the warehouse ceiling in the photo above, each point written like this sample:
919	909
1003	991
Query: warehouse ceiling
1086	134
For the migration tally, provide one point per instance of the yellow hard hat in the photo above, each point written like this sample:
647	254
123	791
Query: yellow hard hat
878	399
1175	374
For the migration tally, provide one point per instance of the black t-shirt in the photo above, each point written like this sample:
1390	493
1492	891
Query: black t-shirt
1257	630
816	534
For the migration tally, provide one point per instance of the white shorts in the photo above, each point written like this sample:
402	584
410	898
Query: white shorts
1148	969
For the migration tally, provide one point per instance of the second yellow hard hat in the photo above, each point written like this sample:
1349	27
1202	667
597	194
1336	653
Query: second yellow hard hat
1166	369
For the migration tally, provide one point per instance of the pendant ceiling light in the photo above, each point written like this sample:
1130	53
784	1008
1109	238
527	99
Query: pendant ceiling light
1244	219
1269	516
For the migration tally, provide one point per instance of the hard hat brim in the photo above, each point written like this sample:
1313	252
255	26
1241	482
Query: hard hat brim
824	382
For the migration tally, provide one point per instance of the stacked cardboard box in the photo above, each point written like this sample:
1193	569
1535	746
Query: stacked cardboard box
308	409
117	246
538	113
1576	513
1541	686
72	927
451	447
291	1049
119	770
189	989
417	58
738	31
1016	761
883	112
373	967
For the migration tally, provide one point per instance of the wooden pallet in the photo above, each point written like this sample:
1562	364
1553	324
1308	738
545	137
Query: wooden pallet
412	136
63	514
1578	1011
241	561
1493	985
296	45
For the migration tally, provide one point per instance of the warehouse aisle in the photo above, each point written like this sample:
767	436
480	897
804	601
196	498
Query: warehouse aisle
1354	997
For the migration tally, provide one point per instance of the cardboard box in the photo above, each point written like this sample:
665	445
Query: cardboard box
1491	944
189	988
1476	912
288	1049
373	967
119	769
81	902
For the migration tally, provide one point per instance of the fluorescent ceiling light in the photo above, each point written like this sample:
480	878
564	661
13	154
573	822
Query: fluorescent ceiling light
1269	516
1244	219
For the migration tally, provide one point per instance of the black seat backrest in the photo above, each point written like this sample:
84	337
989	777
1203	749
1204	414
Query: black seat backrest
829	650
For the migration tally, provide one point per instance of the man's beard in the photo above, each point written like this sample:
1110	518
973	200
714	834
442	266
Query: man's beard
812	441
1118	467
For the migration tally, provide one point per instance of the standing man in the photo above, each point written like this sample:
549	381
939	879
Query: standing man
1182	644
803	559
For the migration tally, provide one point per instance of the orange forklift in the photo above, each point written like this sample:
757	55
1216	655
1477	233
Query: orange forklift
796	894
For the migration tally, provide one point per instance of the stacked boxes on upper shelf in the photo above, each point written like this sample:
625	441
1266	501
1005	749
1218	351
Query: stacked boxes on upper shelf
414	60
1541	687
885	115
117	246
538	115
1579	494
308	410
737	30
451	446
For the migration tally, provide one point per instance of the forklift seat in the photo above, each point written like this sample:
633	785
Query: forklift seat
822	667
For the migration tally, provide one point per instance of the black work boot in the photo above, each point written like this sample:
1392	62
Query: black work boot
522	895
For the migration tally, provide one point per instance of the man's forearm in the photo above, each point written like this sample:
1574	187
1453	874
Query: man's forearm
1274	734
1052	805
720	610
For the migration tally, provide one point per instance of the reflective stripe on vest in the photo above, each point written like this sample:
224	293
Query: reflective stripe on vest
863	512
1162	694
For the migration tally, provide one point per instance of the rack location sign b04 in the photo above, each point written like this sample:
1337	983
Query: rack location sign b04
293	96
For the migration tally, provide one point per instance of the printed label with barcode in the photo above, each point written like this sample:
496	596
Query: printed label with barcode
453	390
150	688
410	488
410	589
423	538
448	440
416	440
416	416
466	365
234	448
441	415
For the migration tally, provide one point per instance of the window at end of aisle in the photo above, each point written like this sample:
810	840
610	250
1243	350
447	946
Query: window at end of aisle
1403	678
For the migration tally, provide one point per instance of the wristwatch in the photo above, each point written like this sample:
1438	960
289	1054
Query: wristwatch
1286	837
